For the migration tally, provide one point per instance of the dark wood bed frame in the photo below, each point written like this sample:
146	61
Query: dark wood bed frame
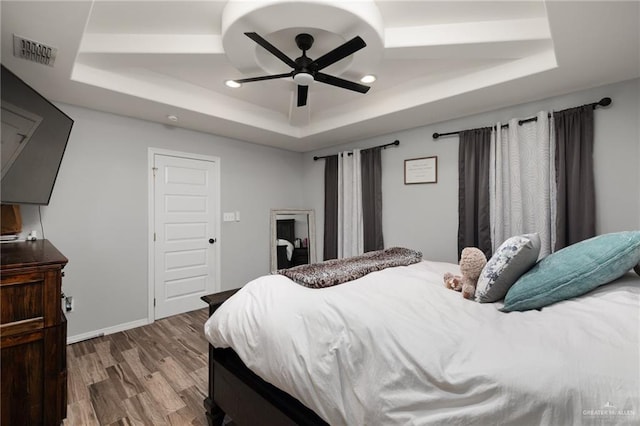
238	392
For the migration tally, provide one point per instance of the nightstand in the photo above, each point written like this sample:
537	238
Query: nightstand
216	299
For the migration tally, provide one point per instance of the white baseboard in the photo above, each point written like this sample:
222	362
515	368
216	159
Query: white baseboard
105	331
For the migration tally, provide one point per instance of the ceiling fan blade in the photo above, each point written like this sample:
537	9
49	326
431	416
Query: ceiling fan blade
345	84
264	77
303	91
271	48
339	53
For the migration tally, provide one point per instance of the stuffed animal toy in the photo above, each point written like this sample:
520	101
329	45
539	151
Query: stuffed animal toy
453	282
472	262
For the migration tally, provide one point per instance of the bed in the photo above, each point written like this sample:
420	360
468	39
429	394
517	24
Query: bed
397	347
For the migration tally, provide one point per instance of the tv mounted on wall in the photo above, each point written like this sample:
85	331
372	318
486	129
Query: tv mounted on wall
34	136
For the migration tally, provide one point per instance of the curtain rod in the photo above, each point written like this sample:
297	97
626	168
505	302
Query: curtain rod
394	143
602	102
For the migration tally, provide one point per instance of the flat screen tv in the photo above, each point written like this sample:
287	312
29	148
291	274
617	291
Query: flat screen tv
34	136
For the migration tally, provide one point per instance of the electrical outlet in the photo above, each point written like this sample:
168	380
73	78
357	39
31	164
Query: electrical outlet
68	303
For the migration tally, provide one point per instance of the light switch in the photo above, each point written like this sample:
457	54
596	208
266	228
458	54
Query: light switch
228	216
237	216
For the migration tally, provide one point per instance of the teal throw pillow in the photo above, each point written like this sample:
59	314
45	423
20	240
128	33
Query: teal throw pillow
575	270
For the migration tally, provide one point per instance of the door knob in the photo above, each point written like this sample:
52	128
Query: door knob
212	240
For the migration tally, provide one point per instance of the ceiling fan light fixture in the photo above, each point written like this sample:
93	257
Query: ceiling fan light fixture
306	70
303	78
369	78
232	84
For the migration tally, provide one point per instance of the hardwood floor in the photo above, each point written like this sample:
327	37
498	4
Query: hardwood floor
151	375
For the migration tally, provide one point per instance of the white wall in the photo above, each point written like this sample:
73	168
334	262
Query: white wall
98	212
98	215
425	217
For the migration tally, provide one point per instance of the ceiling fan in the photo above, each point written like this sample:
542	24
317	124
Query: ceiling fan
305	70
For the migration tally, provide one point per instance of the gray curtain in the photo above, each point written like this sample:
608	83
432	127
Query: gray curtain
371	168
331	208
473	190
576	213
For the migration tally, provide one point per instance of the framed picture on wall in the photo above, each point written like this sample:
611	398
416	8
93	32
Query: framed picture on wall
421	170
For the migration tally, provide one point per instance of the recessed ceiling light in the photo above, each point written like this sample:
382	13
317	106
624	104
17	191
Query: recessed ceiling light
173	118
232	83
368	78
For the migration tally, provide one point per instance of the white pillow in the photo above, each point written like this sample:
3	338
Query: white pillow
513	258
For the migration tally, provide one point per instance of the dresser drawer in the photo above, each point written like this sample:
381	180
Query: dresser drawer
21	297
23	381
29	300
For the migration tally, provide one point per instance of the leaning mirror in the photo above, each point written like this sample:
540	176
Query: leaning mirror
293	238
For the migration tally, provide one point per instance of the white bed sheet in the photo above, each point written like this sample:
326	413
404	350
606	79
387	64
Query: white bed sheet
396	347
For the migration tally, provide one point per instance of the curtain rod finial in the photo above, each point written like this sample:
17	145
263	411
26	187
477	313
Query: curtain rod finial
605	102
436	135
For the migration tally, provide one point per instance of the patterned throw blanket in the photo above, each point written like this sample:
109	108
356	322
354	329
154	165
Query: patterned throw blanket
338	271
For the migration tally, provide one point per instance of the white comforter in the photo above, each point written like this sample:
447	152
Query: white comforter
396	347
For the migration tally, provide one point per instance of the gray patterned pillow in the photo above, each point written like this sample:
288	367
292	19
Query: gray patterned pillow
513	258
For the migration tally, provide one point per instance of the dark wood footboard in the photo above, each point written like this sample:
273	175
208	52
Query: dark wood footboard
237	391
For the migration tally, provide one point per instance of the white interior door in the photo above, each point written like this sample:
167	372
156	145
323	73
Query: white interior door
185	226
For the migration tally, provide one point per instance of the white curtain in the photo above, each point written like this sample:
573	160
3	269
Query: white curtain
522	194
350	216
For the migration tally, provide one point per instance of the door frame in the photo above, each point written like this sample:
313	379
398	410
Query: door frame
151	220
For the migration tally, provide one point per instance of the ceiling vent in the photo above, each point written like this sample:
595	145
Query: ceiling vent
33	51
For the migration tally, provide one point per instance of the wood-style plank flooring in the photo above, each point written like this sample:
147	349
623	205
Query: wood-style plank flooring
151	375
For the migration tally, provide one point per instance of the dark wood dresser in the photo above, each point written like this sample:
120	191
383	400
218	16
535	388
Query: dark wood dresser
33	334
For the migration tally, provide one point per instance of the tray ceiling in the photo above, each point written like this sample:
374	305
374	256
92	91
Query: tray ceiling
433	61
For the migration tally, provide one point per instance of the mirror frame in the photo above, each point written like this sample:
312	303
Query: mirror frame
311	217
